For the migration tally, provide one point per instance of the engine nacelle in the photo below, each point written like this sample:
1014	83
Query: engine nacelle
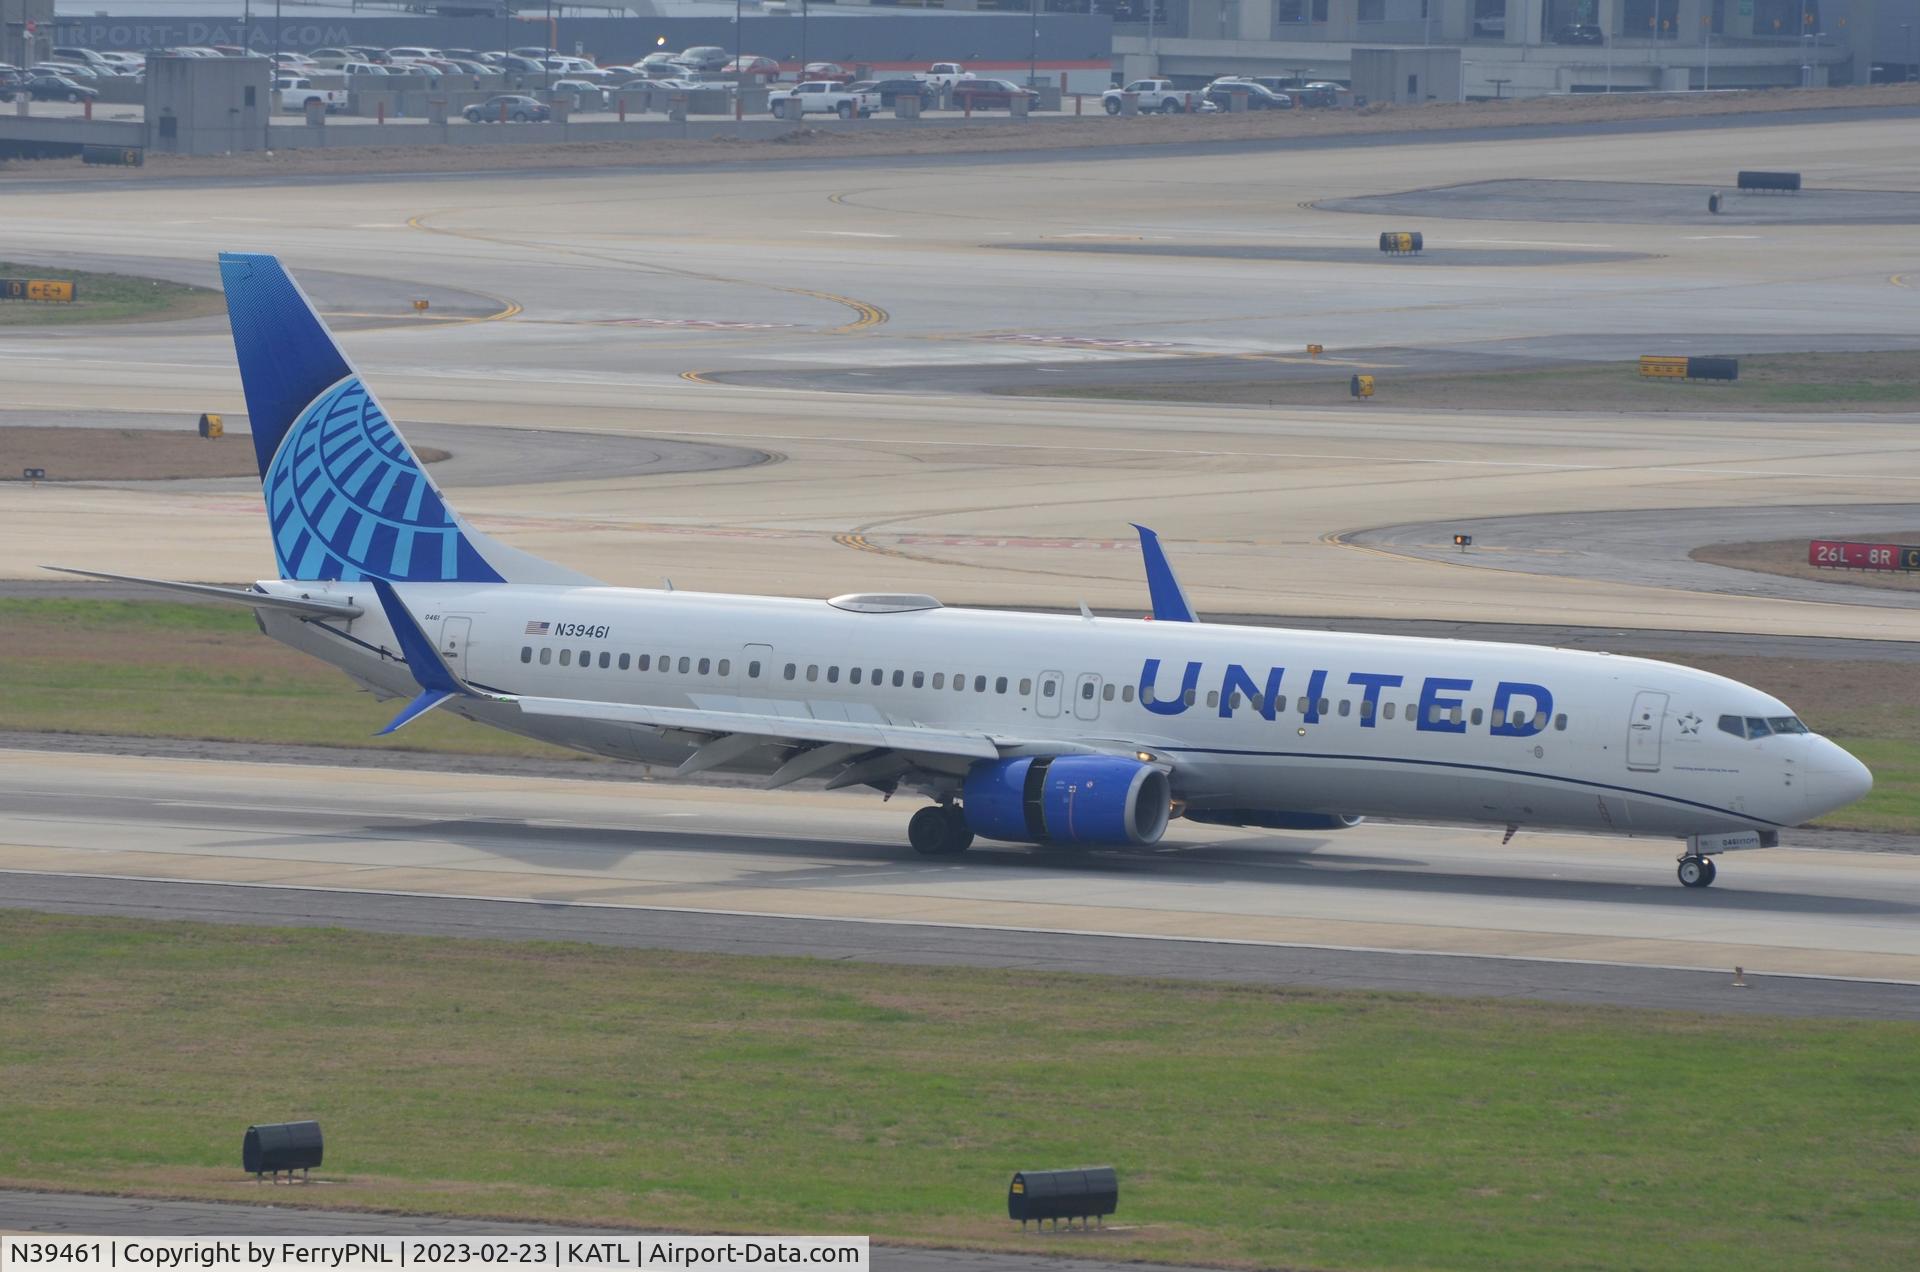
1067	799
1271	820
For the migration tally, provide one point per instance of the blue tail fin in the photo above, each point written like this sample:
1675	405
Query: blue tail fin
346	496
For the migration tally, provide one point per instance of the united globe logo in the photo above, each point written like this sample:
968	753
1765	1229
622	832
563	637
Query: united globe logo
348	501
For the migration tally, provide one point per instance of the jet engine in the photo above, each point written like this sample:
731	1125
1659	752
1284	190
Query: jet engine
1272	820
1067	799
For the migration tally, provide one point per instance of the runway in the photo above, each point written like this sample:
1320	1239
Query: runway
635	292
1556	916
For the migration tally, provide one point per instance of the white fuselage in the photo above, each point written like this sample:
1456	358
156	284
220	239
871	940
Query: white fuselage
1443	729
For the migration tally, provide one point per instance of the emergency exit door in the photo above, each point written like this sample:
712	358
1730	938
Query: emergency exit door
453	643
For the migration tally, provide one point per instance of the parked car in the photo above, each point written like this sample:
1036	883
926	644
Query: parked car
412	53
577	87
661	65
892	90
296	91
1153	95
1318	93
705	57
83	56
58	88
1259	96
72	70
984	94
1580	33
821	97
754	66
826	71
946	74
521	110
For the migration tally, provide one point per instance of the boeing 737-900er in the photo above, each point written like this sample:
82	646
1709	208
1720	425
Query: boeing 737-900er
1019	727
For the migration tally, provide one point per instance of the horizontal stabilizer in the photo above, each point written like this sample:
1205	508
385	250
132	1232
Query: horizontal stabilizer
310	606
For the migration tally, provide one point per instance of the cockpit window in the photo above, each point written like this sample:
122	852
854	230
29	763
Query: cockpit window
1751	727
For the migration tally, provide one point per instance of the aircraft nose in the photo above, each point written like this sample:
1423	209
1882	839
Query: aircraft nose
1838	780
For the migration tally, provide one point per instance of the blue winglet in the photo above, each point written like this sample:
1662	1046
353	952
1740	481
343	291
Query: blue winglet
429	670
426	702
1170	603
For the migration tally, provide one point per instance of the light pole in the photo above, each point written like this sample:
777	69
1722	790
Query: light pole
1153	66
737	83
1706	71
1033	44
802	72
546	62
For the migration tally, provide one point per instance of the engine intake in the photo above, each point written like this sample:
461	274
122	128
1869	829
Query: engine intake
1067	799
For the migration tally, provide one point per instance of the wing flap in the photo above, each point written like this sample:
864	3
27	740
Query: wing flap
892	737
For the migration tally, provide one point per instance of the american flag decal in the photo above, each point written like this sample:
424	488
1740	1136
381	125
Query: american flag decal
538	629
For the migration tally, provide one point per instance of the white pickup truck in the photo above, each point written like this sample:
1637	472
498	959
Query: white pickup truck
295	92
821	97
1154	95
945	74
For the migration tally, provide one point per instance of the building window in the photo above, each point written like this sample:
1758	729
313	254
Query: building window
1373	10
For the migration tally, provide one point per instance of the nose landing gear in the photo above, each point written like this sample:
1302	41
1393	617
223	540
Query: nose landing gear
1696	872
940	831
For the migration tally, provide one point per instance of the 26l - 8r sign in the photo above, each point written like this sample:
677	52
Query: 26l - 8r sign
1838	555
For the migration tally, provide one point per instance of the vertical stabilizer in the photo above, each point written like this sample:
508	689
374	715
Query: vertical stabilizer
346	496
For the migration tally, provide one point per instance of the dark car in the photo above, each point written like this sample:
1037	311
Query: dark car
978	94
892	90
58	88
521	110
1259	96
1579	33
703	57
1317	95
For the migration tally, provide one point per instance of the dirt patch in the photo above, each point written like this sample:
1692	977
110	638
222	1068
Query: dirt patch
1836	383
1789	557
1036	134
132	454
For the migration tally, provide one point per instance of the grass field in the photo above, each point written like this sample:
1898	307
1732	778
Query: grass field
199	671
1768	382
1251	1126
106	298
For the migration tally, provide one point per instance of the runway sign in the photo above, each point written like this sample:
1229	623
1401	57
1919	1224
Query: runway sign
37	289
1658	368
1835	554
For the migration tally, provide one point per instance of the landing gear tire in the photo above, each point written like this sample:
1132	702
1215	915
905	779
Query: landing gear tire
939	832
1696	872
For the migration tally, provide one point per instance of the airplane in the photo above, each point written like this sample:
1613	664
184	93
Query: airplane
1059	730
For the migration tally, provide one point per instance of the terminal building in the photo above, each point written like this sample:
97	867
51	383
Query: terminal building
1523	48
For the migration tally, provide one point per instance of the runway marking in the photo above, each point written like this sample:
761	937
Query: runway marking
965	927
853	234
698	377
1696	238
1898	280
869	315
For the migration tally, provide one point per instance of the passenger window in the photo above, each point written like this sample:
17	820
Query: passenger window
753	670
586	657
1346	707
1107	693
606	660
791	668
705	663
853	677
919	679
685	662
566	658
1213	697
725	667
1322	706
813	672
546	656
1499	718
1519	719
666	664
1188	697
833	675
939	679
626	661
1367	708
959	682
1477	714
1303	706
1560	723
980	685
1146	693
876	677
1000	685
1046	688
1453	715
526	653
1026	686
1126	693
899	677
645	661
1386	709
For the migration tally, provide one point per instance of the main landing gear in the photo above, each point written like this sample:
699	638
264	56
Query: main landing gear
1696	872
940	831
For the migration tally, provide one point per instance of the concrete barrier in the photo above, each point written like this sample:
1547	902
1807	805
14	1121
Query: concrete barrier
906	106
1018	106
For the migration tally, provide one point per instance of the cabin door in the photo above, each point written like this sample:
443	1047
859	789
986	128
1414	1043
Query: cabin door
1643	731
453	644
1046	694
1086	697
